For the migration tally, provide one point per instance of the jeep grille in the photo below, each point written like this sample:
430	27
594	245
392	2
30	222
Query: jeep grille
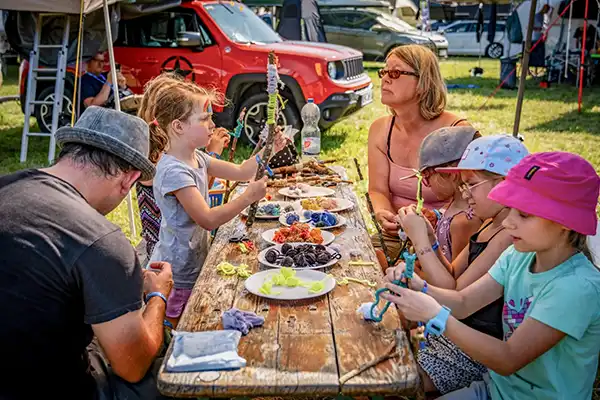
353	68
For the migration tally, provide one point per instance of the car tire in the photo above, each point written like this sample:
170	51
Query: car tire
256	116
494	50
43	113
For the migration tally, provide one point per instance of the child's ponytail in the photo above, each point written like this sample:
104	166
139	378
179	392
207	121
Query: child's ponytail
579	242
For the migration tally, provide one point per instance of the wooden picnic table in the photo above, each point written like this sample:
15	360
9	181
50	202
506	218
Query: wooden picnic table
304	346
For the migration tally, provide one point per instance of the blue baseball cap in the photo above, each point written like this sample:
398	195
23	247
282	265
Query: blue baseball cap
496	153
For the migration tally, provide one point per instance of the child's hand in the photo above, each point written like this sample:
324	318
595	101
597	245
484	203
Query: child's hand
413	224
415	306
257	190
219	141
280	141
395	273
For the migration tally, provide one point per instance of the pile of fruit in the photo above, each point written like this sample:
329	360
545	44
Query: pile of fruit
300	256
319	203
298	232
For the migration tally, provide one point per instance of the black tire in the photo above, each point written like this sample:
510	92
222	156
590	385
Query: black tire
43	113
494	50
256	116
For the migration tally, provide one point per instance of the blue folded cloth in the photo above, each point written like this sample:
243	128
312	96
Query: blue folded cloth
205	351
241	321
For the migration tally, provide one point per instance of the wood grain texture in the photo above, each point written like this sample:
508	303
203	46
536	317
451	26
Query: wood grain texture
304	347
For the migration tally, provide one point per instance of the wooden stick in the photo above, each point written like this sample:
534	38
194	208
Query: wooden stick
390	353
360	175
379	232
260	171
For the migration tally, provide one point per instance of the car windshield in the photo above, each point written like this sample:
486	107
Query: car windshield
240	24
395	23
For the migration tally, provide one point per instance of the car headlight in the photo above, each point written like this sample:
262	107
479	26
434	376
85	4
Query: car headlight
332	70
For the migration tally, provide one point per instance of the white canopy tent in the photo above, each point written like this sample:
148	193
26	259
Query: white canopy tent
78	7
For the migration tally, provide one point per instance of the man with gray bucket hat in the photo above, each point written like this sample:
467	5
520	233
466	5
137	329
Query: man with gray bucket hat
70	278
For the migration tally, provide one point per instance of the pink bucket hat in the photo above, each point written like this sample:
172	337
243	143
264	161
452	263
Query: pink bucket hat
558	186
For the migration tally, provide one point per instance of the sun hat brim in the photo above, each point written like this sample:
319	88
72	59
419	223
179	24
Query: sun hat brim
109	144
571	215
456	170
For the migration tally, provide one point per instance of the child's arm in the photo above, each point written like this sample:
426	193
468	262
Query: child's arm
461	230
208	218
505	358
233	172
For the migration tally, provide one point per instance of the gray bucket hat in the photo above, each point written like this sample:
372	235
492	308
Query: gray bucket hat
445	145
118	133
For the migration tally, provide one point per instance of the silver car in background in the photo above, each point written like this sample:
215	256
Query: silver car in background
376	32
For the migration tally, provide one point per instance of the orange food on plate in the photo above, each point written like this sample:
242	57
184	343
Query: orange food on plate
298	232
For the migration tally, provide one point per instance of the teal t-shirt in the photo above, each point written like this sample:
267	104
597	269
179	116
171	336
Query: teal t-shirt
567	298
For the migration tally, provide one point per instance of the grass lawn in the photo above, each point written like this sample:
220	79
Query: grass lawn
549	121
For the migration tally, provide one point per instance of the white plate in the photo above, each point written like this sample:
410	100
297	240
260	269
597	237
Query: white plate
263	260
328	237
254	283
314	191
282	205
341	222
343	204
284	215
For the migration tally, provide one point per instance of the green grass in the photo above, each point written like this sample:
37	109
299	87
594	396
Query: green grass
549	121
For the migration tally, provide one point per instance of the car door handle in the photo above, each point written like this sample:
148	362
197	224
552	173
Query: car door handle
149	60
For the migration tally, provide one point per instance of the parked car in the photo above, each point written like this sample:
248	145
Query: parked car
462	39
225	45
375	32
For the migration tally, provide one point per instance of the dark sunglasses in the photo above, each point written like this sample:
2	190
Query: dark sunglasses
395	73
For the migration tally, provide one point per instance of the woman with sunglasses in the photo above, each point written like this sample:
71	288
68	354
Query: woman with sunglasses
484	164
414	91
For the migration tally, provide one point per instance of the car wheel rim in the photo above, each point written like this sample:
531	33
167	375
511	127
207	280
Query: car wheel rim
256	118
46	111
495	51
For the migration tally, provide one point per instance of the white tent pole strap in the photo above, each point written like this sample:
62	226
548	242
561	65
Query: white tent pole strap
568	40
113	72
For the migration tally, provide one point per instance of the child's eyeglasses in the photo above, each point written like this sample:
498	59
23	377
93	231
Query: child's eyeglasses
467	190
395	73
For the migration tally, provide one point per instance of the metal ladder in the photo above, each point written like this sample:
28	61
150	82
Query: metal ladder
33	77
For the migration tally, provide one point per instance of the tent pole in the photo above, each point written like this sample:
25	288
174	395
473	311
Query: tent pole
568	42
113	72
581	69
524	68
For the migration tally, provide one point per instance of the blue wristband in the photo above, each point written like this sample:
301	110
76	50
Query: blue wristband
435	246
155	294
424	290
437	324
215	155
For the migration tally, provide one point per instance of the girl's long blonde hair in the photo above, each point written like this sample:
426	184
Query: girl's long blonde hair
431	88
167	98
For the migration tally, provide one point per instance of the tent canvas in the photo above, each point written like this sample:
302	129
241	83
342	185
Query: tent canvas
55	6
301	20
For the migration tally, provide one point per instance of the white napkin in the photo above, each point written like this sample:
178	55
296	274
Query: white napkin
205	351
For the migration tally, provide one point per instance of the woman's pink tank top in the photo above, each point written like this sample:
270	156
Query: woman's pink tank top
404	191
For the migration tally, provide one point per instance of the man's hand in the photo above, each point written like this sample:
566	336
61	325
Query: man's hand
121	81
219	141
159	278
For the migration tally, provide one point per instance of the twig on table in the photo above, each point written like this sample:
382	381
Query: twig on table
390	353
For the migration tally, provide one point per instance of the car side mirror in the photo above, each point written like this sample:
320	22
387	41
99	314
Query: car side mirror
378	28
190	39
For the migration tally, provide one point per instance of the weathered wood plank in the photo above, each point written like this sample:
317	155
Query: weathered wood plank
304	347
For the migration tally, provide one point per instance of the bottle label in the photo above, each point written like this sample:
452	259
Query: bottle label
311	145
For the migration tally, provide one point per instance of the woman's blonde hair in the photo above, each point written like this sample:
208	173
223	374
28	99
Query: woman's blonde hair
167	98
431	88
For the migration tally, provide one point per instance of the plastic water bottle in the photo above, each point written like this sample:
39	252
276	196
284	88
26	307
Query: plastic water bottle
310	134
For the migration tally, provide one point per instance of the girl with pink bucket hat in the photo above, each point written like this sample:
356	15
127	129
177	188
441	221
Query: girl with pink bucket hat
549	284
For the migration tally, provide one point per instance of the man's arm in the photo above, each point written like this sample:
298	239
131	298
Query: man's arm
132	341
100	99
112	285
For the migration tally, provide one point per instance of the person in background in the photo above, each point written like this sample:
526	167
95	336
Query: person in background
97	87
415	93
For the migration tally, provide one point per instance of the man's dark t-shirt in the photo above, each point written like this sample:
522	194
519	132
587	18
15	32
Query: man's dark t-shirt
63	267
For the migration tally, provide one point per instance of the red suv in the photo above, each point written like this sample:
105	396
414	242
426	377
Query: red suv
224	45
